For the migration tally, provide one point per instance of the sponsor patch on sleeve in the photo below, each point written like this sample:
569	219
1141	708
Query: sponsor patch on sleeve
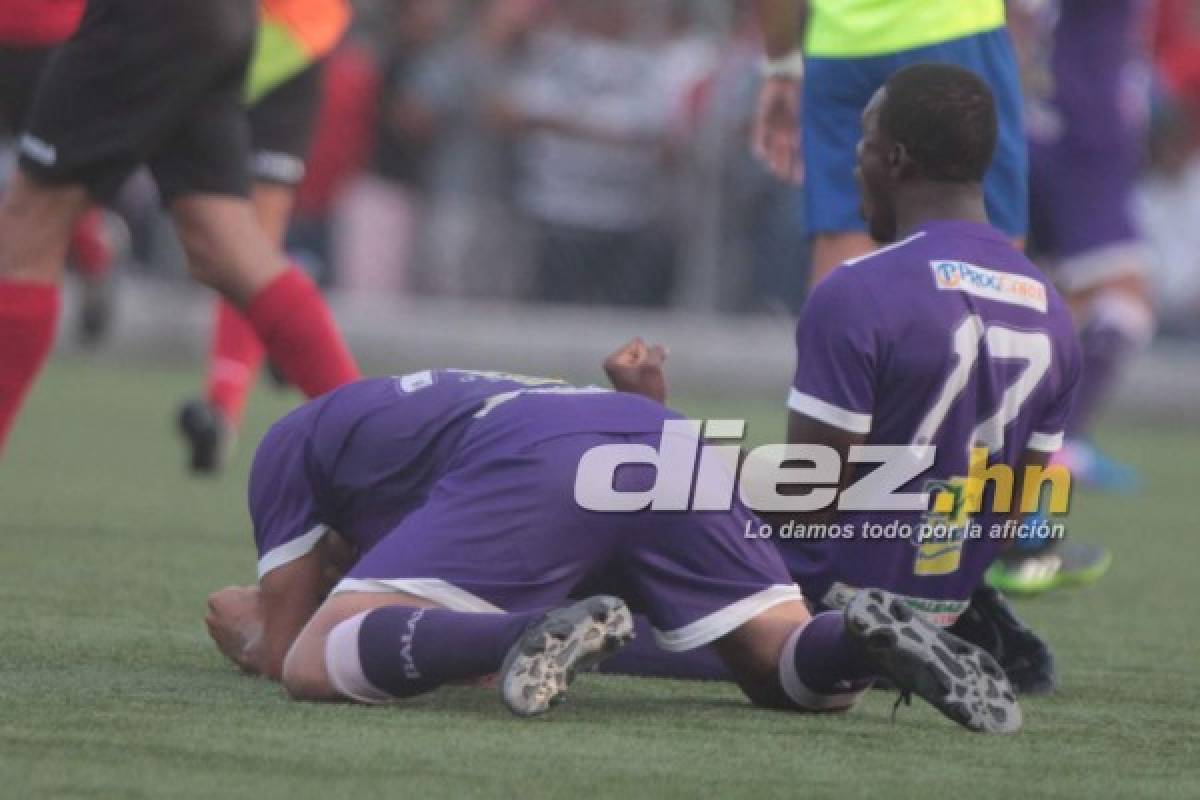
1003	287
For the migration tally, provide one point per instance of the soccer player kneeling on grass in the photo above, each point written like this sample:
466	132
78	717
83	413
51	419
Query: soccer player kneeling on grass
948	339
425	529
949	342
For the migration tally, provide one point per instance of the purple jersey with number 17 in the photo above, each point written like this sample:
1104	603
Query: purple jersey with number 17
949	338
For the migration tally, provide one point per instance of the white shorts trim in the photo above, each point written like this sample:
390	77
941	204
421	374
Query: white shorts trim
1129	259
1117	310
717	624
1046	442
828	413
285	168
290	551
443	594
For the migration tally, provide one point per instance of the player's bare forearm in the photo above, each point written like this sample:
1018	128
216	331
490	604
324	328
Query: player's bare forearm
291	594
782	23
775	133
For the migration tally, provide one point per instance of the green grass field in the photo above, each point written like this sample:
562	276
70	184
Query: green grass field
109	687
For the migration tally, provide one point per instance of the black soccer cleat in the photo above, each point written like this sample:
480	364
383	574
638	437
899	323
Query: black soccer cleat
95	310
990	622
208	436
958	679
542	663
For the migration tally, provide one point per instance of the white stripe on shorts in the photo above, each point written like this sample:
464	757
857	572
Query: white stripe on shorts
717	624
437	591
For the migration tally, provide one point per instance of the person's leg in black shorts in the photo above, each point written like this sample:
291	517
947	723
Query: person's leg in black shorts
20	68
93	248
281	125
160	84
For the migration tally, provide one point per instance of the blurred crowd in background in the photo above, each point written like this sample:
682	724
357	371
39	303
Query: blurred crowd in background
576	151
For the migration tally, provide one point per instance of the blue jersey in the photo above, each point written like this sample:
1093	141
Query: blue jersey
949	339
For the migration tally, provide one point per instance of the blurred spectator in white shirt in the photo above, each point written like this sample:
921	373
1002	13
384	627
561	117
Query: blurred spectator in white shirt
1167	205
594	115
474	240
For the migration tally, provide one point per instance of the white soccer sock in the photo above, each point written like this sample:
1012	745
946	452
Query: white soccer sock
343	666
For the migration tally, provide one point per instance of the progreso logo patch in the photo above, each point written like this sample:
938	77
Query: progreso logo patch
1004	287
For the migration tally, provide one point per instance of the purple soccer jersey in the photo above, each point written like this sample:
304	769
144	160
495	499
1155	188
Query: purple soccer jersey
361	458
951	339
460	487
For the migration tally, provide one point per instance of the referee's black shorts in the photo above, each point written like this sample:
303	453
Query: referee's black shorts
281	128
147	82
20	68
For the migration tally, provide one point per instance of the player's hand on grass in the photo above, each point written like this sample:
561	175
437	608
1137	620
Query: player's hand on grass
235	623
638	368
775	137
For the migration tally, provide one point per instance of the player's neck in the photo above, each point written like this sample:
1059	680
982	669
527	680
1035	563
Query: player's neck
922	203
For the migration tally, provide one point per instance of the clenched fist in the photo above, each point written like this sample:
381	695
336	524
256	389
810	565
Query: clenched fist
638	368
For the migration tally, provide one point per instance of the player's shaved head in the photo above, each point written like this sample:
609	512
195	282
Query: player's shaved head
945	118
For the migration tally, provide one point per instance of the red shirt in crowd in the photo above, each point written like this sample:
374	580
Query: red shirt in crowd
38	23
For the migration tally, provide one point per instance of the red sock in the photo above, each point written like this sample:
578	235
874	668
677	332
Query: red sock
292	320
233	362
93	254
28	316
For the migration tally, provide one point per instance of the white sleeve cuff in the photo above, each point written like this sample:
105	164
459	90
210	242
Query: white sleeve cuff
1045	442
828	413
289	551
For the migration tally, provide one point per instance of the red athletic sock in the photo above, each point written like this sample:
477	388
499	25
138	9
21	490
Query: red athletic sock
233	362
92	252
28	316
295	325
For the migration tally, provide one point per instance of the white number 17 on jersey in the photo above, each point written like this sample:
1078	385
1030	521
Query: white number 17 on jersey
1003	344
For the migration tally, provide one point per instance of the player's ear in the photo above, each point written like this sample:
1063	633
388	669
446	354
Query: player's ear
900	163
